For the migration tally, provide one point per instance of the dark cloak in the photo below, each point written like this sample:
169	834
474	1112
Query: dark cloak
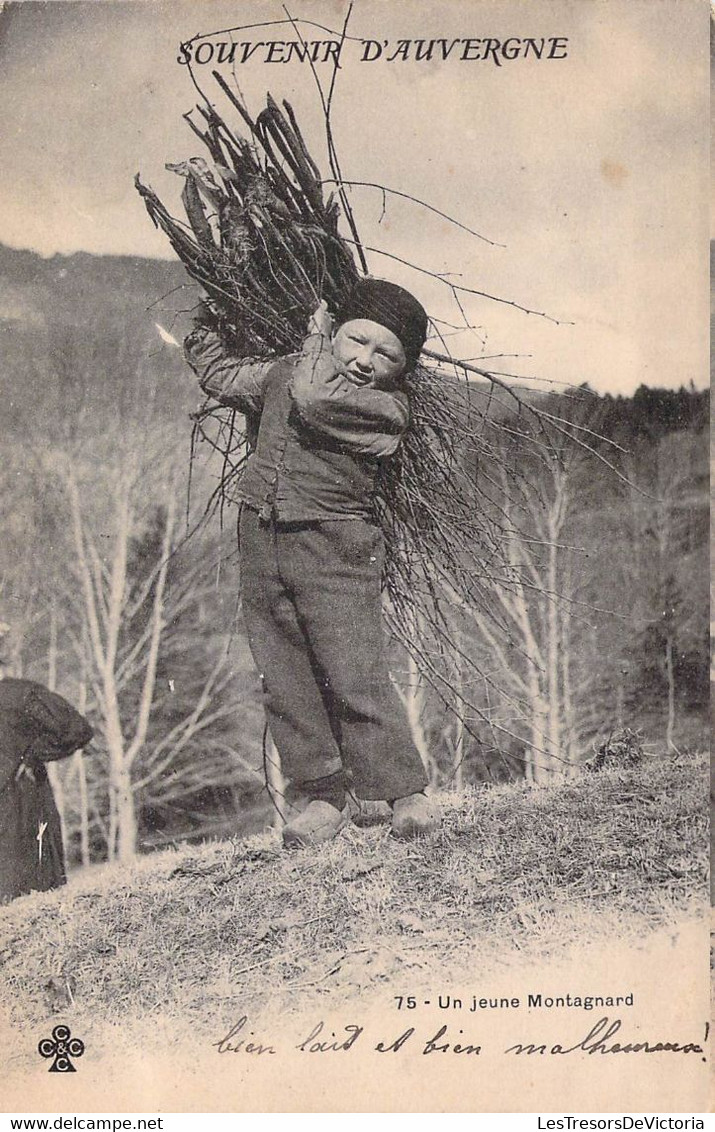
36	726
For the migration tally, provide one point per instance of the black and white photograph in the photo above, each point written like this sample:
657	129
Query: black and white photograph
354	634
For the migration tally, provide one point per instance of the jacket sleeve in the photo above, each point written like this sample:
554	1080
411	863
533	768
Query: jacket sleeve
57	728
236	382
359	418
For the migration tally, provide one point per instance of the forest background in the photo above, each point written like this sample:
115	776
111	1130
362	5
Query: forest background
120	594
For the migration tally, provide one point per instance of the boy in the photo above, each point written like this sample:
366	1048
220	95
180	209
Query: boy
311	556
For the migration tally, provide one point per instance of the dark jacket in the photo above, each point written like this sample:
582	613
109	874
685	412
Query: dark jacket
36	726
318	437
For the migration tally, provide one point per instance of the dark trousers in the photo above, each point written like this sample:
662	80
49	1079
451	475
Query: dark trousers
313	613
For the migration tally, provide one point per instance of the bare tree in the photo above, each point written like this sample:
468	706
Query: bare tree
526	635
106	604
125	622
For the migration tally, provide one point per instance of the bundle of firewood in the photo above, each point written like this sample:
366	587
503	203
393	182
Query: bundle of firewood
265	245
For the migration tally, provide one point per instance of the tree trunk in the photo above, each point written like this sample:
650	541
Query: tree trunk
620	703
112	824
413	699
459	745
54	772
553	695
82	784
83	808
569	743
125	811
118	771
541	764
670	726
459	706
529	773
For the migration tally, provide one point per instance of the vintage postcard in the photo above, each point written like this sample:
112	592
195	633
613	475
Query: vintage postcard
353	578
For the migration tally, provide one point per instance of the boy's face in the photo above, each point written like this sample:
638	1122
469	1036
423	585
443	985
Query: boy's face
369	352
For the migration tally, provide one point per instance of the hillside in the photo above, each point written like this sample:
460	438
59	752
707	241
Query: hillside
78	334
34	290
514	876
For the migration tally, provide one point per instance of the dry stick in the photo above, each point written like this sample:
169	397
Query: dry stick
266	24
452	597
437	680
308	205
208	137
331	89
560	425
227	451
217	495
236	102
570	392
594	452
460	286
193	78
459	305
167	295
225	152
243	159
423	203
174	230
308	208
453	326
199	133
294	154
301	142
449	360
451	570
189	485
578	390
419	655
581	428
332	153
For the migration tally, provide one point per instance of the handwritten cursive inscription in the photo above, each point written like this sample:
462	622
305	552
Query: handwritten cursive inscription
311	1044
597	1041
228	1044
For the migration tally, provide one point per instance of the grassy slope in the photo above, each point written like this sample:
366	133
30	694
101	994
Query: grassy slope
512	870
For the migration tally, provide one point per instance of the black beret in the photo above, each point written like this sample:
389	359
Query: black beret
391	306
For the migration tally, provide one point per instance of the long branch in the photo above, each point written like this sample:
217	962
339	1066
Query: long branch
460	286
416	200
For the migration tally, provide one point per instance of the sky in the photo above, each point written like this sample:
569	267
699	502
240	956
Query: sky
587	173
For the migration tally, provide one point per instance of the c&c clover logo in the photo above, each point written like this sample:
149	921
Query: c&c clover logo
62	1047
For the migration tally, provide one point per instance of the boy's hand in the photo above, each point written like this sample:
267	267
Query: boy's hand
320	322
206	315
